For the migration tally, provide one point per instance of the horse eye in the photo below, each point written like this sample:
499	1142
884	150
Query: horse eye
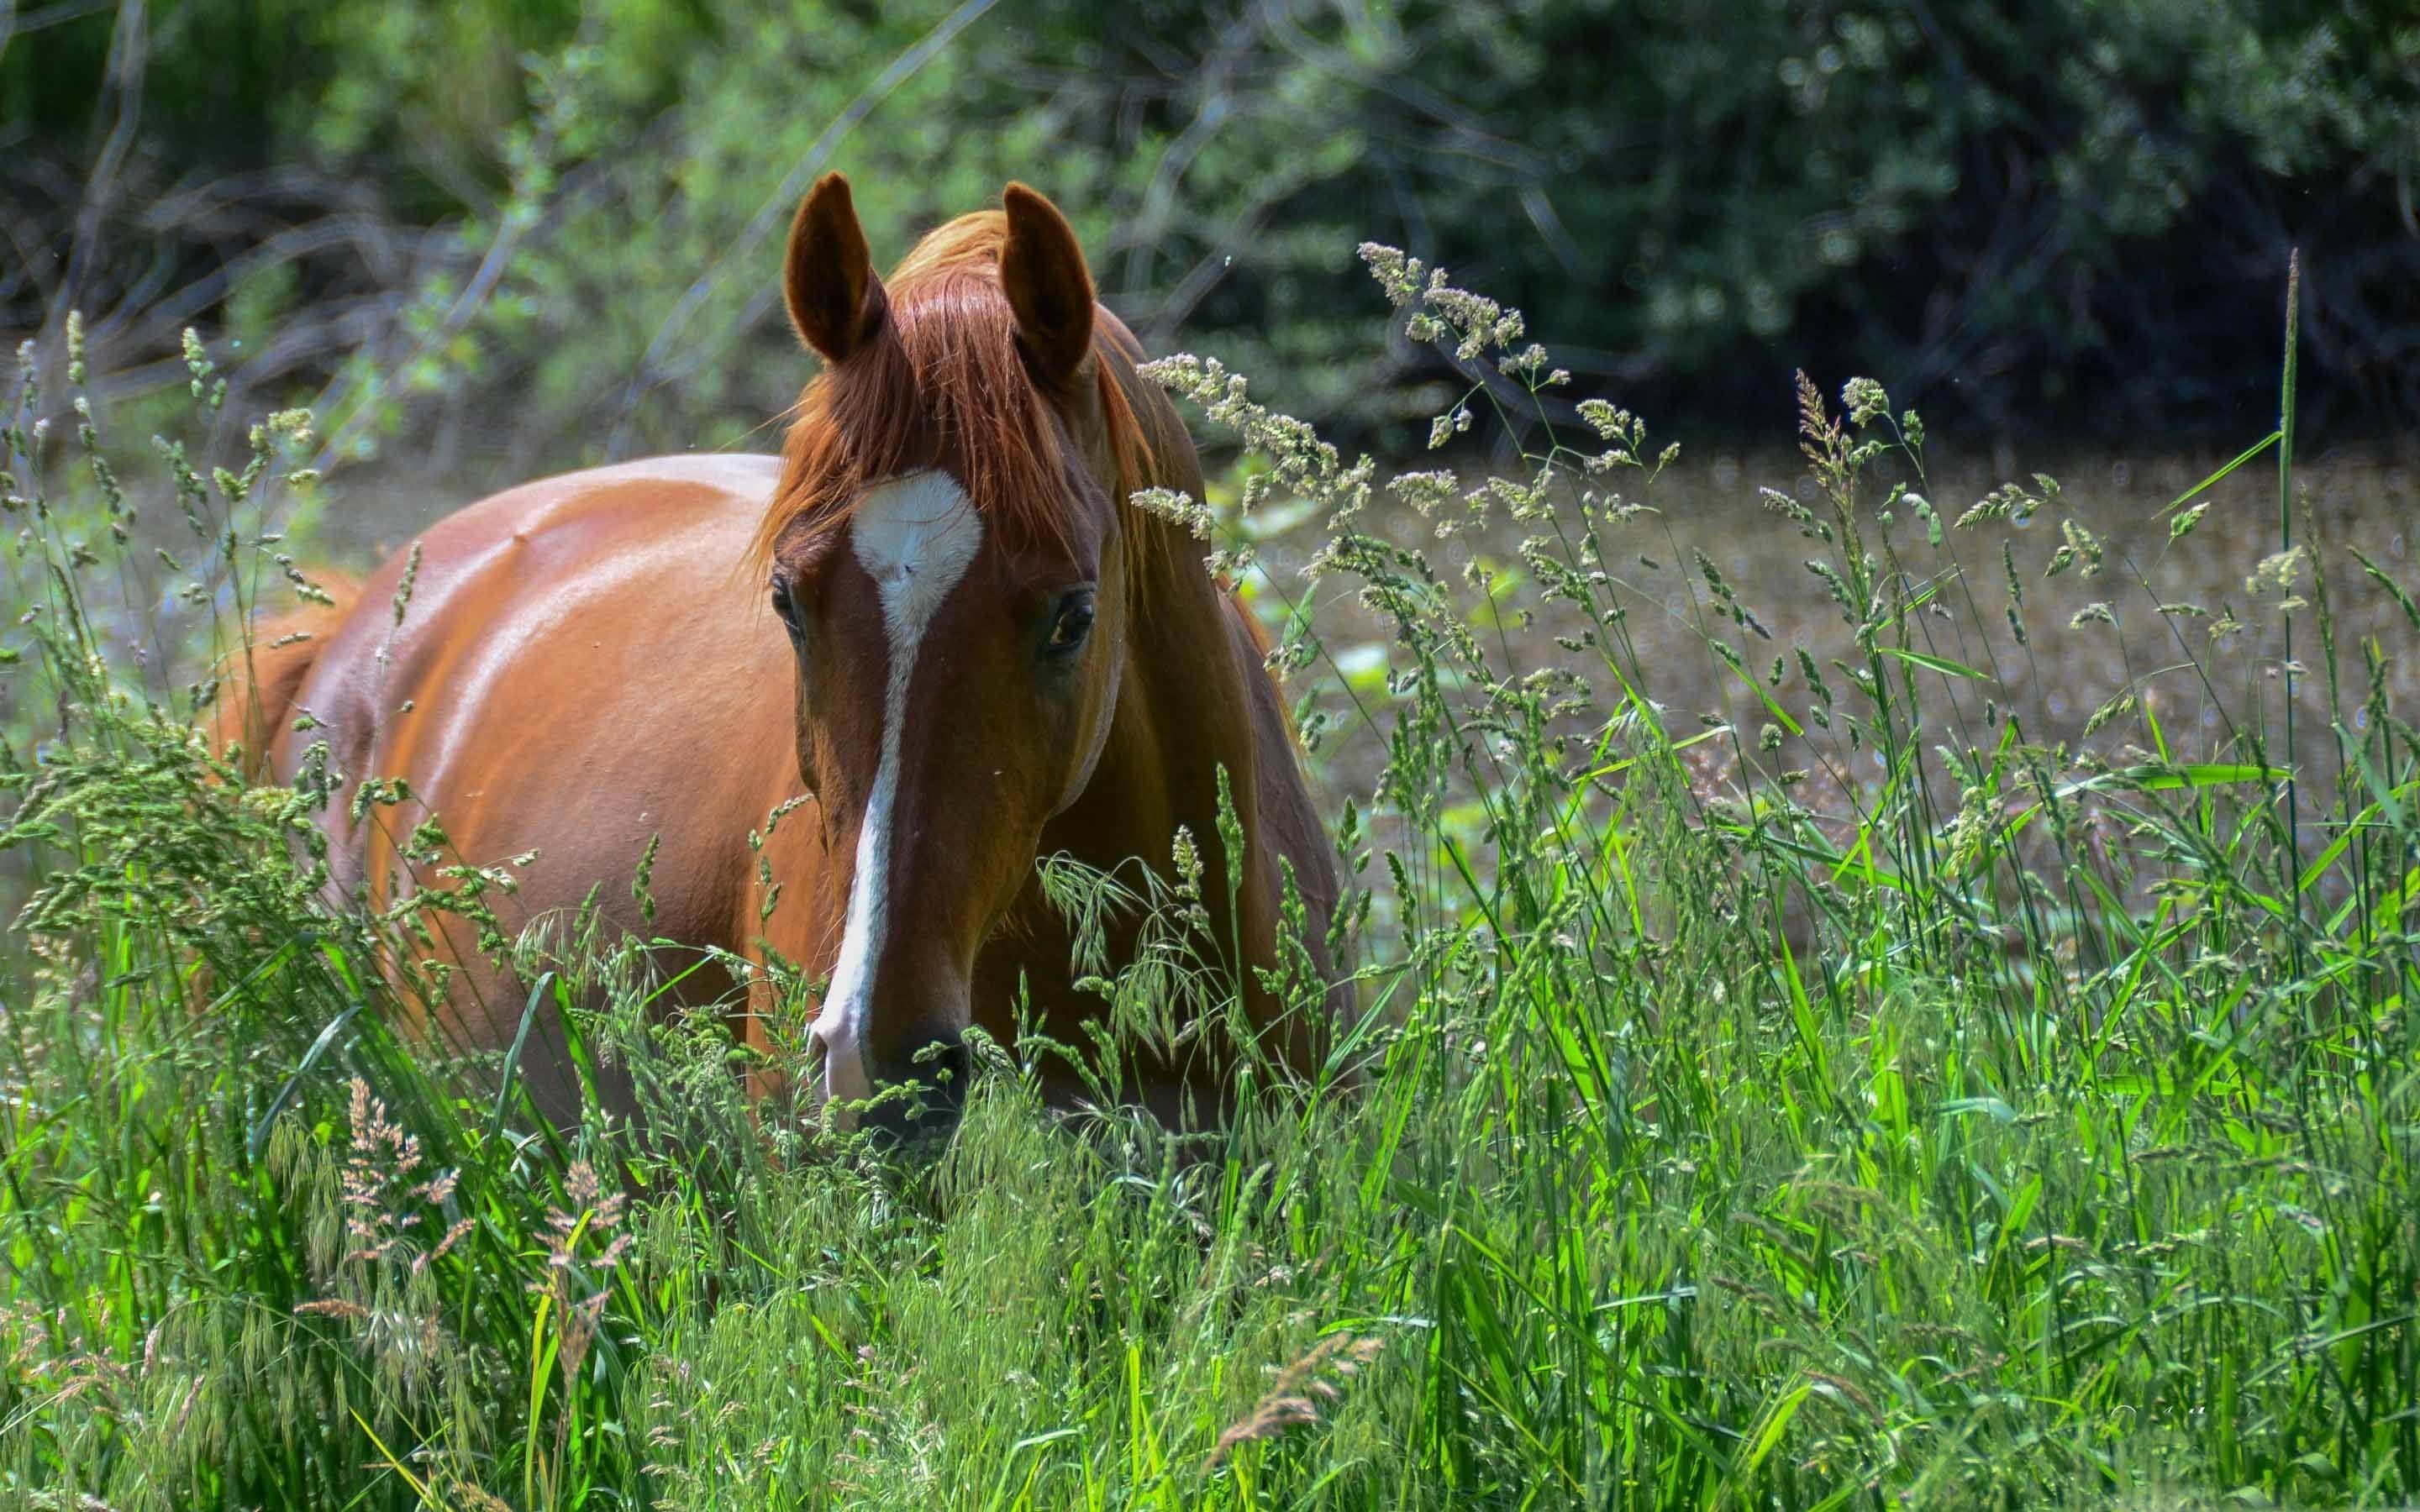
1075	621
785	604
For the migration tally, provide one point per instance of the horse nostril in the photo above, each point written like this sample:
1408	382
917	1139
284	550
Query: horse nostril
923	1090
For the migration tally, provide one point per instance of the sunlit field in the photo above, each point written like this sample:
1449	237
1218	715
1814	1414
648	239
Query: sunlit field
1891	991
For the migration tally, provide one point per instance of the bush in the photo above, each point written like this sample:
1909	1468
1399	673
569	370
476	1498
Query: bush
2031	219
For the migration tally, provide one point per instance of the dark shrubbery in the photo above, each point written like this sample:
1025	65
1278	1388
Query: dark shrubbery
2016	215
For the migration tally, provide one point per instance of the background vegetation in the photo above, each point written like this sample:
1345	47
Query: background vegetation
2029	220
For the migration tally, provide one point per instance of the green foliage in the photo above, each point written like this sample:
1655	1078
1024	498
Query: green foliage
2025	1127
2015	214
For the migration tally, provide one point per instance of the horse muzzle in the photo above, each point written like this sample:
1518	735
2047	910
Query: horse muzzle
913	1087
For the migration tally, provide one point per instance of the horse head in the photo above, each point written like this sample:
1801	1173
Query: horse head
951	561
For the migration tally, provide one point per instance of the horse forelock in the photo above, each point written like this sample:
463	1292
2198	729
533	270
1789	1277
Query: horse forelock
947	369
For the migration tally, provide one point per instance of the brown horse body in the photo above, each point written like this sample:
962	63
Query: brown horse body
582	670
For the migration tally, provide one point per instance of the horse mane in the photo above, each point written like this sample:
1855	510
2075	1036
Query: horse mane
949	358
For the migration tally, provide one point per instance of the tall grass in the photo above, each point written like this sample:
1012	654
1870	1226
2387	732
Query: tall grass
2035	1123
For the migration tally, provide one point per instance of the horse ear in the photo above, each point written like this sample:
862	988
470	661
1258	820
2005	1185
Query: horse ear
835	301
1042	270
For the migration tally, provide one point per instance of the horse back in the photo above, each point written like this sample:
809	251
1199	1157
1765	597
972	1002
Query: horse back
569	680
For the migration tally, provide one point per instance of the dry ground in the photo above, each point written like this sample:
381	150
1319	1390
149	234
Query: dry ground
2368	498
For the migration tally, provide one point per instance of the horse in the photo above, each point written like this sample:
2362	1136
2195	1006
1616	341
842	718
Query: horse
935	626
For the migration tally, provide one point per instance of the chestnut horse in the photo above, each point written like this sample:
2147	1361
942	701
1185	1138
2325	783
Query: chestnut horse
970	652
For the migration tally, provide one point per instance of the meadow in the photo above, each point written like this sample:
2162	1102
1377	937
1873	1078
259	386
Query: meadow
1916	1013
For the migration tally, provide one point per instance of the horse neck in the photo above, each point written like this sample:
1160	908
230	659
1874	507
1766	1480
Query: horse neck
1194	697
1187	707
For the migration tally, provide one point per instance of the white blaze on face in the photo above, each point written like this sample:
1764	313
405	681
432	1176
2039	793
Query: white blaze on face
915	537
